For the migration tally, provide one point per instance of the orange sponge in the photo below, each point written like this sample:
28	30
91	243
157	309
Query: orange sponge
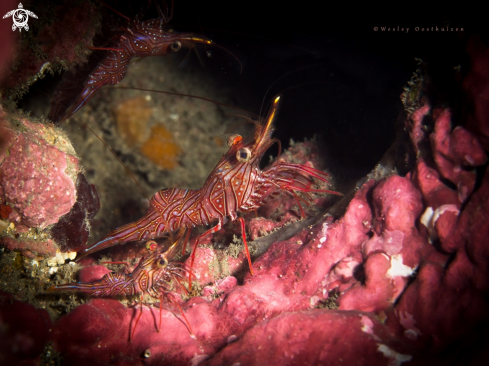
161	148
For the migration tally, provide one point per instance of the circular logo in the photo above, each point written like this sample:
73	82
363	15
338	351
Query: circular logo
20	17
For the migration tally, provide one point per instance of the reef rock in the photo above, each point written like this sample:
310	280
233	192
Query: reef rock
40	186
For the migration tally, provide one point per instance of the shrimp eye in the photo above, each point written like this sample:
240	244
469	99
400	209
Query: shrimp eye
243	155
175	46
162	262
151	245
233	139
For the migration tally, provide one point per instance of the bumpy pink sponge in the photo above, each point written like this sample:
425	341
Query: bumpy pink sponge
273	313
38	178
24	331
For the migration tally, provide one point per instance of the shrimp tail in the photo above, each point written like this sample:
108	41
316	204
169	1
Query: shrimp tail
148	227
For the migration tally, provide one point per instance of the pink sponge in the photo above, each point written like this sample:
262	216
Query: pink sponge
37	177
454	152
42	188
24	331
319	337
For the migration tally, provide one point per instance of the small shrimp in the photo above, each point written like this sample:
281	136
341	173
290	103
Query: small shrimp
237	184
138	39
153	275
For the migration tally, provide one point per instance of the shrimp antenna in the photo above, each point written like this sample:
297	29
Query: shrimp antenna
197	52
247	120
202	32
182	95
169	14
232	55
109	148
284	75
301	84
115	11
255	36
182	63
120	161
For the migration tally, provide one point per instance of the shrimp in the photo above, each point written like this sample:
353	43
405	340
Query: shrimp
236	184
138	39
153	275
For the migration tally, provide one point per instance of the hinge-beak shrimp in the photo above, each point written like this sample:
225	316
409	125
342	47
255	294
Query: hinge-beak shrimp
154	275
138	39
236	184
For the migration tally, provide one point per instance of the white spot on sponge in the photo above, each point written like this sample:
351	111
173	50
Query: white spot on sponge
398	268
396	359
430	217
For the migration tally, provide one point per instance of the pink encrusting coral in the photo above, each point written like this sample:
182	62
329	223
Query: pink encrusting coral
24	331
41	188
407	266
37	177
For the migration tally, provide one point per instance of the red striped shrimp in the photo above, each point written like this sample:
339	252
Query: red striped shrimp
236	184
137	39
153	275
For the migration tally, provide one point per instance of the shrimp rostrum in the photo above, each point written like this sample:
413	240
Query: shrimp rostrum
236	184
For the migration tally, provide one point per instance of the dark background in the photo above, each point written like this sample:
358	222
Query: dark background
340	78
